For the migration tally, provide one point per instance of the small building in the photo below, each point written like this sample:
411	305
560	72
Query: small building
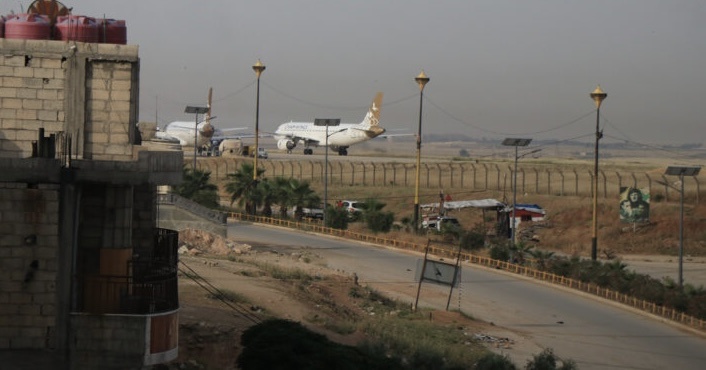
528	212
88	279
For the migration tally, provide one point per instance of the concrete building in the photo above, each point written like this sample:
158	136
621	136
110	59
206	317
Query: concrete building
87	280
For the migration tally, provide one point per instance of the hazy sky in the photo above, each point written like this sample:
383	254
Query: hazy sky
497	68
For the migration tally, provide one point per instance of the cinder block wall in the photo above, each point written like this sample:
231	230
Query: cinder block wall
29	242
108	120
89	92
31	96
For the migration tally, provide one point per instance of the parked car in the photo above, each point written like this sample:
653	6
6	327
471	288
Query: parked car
352	206
316	213
261	152
439	222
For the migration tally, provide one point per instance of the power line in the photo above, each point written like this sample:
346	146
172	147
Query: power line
445	112
218	294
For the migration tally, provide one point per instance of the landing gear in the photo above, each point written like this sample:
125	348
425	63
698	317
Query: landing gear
308	151
342	151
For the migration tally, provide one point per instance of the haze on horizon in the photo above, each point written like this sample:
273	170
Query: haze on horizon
497	68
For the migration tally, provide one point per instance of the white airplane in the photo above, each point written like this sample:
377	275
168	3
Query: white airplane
185	132
340	136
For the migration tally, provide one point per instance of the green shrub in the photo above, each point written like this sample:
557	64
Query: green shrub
494	361
284	344
500	252
378	221
546	360
336	217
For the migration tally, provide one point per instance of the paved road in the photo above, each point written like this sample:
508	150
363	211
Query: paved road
592	332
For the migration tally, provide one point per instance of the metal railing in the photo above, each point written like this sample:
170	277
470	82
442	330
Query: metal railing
126	295
150	285
193	207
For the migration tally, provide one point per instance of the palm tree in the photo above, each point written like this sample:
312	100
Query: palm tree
302	196
519	252
242	187
266	194
541	258
282	194
197	187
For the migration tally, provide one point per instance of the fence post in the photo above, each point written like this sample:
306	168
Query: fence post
362	164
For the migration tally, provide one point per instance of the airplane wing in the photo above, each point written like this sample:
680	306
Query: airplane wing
306	140
220	134
398	132
164	137
395	135
233	129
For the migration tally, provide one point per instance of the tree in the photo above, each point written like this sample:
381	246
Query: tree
302	195
266	194
282	194
336	217
542	258
519	252
375	219
197	187
242	187
473	239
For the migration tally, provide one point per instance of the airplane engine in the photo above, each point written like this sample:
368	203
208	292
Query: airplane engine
286	144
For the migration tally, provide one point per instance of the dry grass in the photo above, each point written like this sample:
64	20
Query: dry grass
549	182
568	228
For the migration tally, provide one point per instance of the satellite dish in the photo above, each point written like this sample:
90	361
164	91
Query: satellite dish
50	8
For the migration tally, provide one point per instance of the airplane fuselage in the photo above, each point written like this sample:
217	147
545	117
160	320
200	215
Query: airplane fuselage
184	132
343	135
339	137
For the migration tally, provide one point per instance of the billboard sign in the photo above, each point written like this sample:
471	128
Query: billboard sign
634	205
438	272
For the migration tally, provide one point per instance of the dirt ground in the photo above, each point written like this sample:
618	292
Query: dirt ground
209	336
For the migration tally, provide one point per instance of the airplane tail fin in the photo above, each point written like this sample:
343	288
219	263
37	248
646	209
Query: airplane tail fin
372	118
208	114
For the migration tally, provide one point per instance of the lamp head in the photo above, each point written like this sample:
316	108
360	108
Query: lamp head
598	95
422	80
258	68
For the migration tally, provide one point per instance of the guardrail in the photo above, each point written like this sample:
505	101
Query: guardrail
193	207
642	305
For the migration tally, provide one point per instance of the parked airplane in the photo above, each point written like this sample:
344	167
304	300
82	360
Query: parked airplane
340	136
185	132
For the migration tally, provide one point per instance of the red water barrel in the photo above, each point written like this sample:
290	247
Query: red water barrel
112	31
76	28
28	27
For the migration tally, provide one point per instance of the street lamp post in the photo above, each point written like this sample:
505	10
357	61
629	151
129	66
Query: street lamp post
327	122
681	171
597	95
195	110
516	143
258	68
421	80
